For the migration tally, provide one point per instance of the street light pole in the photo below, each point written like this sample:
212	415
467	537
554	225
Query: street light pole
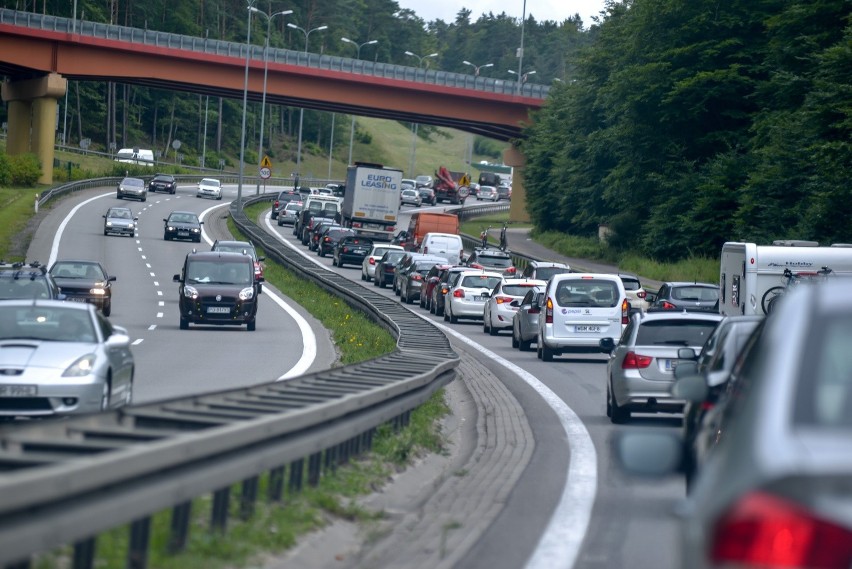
522	78
269	18
477	67
521	51
357	56
245	101
302	110
412	162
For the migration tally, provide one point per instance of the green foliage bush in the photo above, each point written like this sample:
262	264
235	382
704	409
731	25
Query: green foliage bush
5	170
487	147
24	170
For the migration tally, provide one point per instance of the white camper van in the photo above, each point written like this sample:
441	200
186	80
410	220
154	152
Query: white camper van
750	275
138	156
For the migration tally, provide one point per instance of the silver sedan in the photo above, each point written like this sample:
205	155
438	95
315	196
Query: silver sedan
60	357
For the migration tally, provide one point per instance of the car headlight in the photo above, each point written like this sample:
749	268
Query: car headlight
247	293
97	291
196	230
109	224
190	292
170	228
83	366
130	226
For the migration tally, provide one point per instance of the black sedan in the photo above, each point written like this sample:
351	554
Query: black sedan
351	249
182	225
84	281
330	238
386	267
163	183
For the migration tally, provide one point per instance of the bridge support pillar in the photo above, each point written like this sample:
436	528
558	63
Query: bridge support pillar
518	208
32	118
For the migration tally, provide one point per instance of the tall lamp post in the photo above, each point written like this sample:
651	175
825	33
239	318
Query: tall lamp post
245	102
476	68
522	78
302	110
412	161
269	18
358	47
521	50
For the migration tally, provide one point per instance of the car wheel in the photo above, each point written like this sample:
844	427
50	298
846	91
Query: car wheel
340	263
619	415
546	353
198	239
608	401
524	345
333	262
422	302
165	236
320	251
251	326
106	232
382	283
184	324
219	198
453	319
515	343
144	199
118	196
492	330
485	327
107	309
432	307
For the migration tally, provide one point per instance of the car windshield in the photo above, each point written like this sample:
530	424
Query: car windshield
675	333
393	256
183	218
294	207
516	290
53	324
64	270
480	281
587	292
133	182
695	293
161	178
120	214
210	182
217	272
235	248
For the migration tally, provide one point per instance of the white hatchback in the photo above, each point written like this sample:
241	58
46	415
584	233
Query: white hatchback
468	294
371	261
209	188
504	302
579	310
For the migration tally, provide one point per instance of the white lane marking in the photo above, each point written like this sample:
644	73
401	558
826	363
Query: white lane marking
144	257
159	315
152	327
152	274
560	544
54	249
161	303
137	342
148	266
159	293
156	283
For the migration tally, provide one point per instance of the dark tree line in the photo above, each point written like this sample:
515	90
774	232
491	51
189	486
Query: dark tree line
693	122
128	115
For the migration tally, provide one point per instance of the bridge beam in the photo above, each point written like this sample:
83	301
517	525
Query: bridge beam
518	207
32	118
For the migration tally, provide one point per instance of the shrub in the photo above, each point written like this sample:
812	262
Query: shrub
25	170
5	171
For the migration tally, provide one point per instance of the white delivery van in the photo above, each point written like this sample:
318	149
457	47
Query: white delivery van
444	245
750	275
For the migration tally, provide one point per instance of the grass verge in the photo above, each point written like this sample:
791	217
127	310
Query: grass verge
17	206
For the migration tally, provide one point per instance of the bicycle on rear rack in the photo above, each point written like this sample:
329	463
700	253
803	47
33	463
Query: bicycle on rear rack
789	278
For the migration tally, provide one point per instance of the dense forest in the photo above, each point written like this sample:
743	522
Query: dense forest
679	124
687	123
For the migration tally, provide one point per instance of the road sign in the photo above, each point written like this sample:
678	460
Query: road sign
265	173
266	163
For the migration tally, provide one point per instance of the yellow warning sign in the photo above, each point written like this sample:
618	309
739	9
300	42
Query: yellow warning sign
266	162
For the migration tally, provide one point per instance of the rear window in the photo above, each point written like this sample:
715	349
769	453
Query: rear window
597	293
499	262
544	273
675	333
696	293
421	266
630	284
480	281
517	290
393	257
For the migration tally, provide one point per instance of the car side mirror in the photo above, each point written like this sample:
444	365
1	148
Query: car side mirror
692	388
134	219
651	297
686	354
607	345
261	259
649	453
112	279
176	278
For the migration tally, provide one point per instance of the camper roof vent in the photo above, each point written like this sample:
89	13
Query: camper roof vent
794	243
841	244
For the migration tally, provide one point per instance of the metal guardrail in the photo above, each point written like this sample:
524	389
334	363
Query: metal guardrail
65	481
285	56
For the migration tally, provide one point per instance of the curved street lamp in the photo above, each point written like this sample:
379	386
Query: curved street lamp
302	110
477	67
421	59
269	18
358	47
412	162
523	77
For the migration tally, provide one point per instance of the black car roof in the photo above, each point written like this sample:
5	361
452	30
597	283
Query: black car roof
224	256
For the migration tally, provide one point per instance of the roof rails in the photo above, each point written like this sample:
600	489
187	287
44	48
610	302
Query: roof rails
795	243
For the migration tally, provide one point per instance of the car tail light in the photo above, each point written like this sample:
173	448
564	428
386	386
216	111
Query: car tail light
357	224
390	228
534	310
504	299
768	531
275	204
641	294
635	361
625	311
326	239
548	311
458	293
346	249
416	278
511	270
372	261
477	266
444	290
668	305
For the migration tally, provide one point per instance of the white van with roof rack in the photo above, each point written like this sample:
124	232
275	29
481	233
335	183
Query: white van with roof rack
579	310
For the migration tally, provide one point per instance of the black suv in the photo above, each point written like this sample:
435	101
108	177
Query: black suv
218	288
24	281
282	199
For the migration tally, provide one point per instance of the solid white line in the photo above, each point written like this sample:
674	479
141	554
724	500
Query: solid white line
560	544
137	342
54	249
152	327
159	315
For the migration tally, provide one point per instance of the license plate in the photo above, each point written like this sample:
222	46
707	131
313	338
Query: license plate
218	310
18	390
76	299
183	233
670	365
484	296
587	329
359	252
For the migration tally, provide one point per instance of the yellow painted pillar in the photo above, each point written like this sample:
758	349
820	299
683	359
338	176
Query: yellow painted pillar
18	139
32	118
518	209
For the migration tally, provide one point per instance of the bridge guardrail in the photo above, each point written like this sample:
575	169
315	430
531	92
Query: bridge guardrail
276	55
65	481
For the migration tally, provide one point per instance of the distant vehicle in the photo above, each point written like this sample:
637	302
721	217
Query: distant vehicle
640	371
450	186
351	250
386	268
695	297
525	320
469	293
132	188
446	278
636	295
430	281
427	196
281	200
319	206
410	197
27	281
331	237
289	213
135	156
371	261
75	360
182	225
84	281
240	247
411	282
447	245
543	270
423	222
218	288
423	181
372	200
492	260
120	220
487	193
163	183
504	193
504	302
209	188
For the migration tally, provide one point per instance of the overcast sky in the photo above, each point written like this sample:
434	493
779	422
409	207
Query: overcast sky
542	9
